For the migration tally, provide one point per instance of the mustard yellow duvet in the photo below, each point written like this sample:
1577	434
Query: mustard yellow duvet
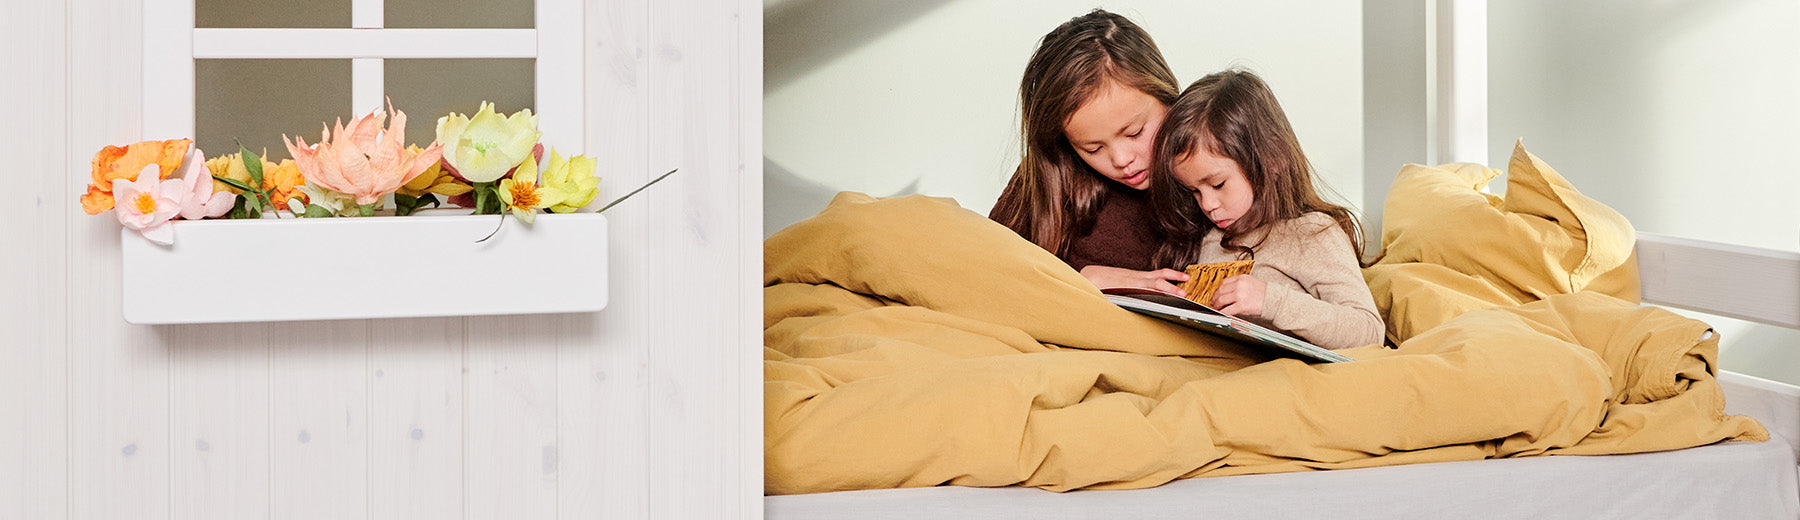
910	342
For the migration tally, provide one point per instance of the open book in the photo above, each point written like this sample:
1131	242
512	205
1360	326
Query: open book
1193	314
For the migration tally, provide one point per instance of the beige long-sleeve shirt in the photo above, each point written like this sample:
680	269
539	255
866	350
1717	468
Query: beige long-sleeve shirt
1315	284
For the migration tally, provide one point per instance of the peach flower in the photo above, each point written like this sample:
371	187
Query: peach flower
363	159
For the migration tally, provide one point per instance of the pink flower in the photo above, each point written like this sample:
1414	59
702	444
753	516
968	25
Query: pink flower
147	204
200	201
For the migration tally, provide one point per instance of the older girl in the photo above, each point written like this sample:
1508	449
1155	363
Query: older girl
1092	99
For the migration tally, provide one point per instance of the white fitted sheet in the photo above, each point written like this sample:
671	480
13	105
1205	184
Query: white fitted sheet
1739	480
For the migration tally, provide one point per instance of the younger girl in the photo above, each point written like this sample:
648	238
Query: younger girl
1230	183
1092	98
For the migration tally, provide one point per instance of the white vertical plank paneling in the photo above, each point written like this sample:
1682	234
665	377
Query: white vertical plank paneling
416	418
601	370
748	122
118	373
34	377
511	462
694	362
669	46
219	421
318	438
118	397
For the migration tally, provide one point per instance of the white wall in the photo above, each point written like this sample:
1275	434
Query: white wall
650	408
1681	115
892	98
1395	87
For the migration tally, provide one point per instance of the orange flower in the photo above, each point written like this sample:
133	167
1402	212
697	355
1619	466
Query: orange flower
124	163
283	182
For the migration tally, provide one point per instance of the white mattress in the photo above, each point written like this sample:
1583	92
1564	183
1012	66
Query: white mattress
1738	480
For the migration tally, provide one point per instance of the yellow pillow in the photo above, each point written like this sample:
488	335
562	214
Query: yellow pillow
1542	238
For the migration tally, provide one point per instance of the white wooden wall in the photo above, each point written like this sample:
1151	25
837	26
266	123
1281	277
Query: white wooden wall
651	408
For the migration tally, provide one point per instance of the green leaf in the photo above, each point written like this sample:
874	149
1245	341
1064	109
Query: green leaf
234	183
316	211
252	164
237	208
365	210
405	204
252	213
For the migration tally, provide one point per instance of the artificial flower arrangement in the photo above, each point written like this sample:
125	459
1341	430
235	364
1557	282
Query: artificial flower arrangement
489	163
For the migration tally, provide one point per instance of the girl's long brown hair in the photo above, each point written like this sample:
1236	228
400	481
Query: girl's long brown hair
1234	115
1057	192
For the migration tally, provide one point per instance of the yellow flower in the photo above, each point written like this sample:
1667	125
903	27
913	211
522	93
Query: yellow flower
522	194
482	148
574	177
229	167
282	181
433	180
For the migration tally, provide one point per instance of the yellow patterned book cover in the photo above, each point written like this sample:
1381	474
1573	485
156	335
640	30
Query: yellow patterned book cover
1204	279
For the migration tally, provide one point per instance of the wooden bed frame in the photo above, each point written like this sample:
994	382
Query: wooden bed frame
1747	283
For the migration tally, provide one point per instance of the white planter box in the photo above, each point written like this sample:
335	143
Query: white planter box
287	269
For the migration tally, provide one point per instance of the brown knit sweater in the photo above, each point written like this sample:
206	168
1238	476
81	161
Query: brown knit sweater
1315	284
1123	234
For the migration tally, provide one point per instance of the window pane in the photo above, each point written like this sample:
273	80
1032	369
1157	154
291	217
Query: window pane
429	89
495	14
271	13
1678	114
256	101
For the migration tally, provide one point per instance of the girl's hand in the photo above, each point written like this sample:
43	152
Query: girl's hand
1158	280
1240	295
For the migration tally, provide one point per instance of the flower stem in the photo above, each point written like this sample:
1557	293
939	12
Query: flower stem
616	201
496	230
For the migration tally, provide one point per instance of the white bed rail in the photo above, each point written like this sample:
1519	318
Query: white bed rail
1748	283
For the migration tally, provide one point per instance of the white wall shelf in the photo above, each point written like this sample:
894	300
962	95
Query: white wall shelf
225	271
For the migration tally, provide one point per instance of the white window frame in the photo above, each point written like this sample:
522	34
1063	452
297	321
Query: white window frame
172	43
